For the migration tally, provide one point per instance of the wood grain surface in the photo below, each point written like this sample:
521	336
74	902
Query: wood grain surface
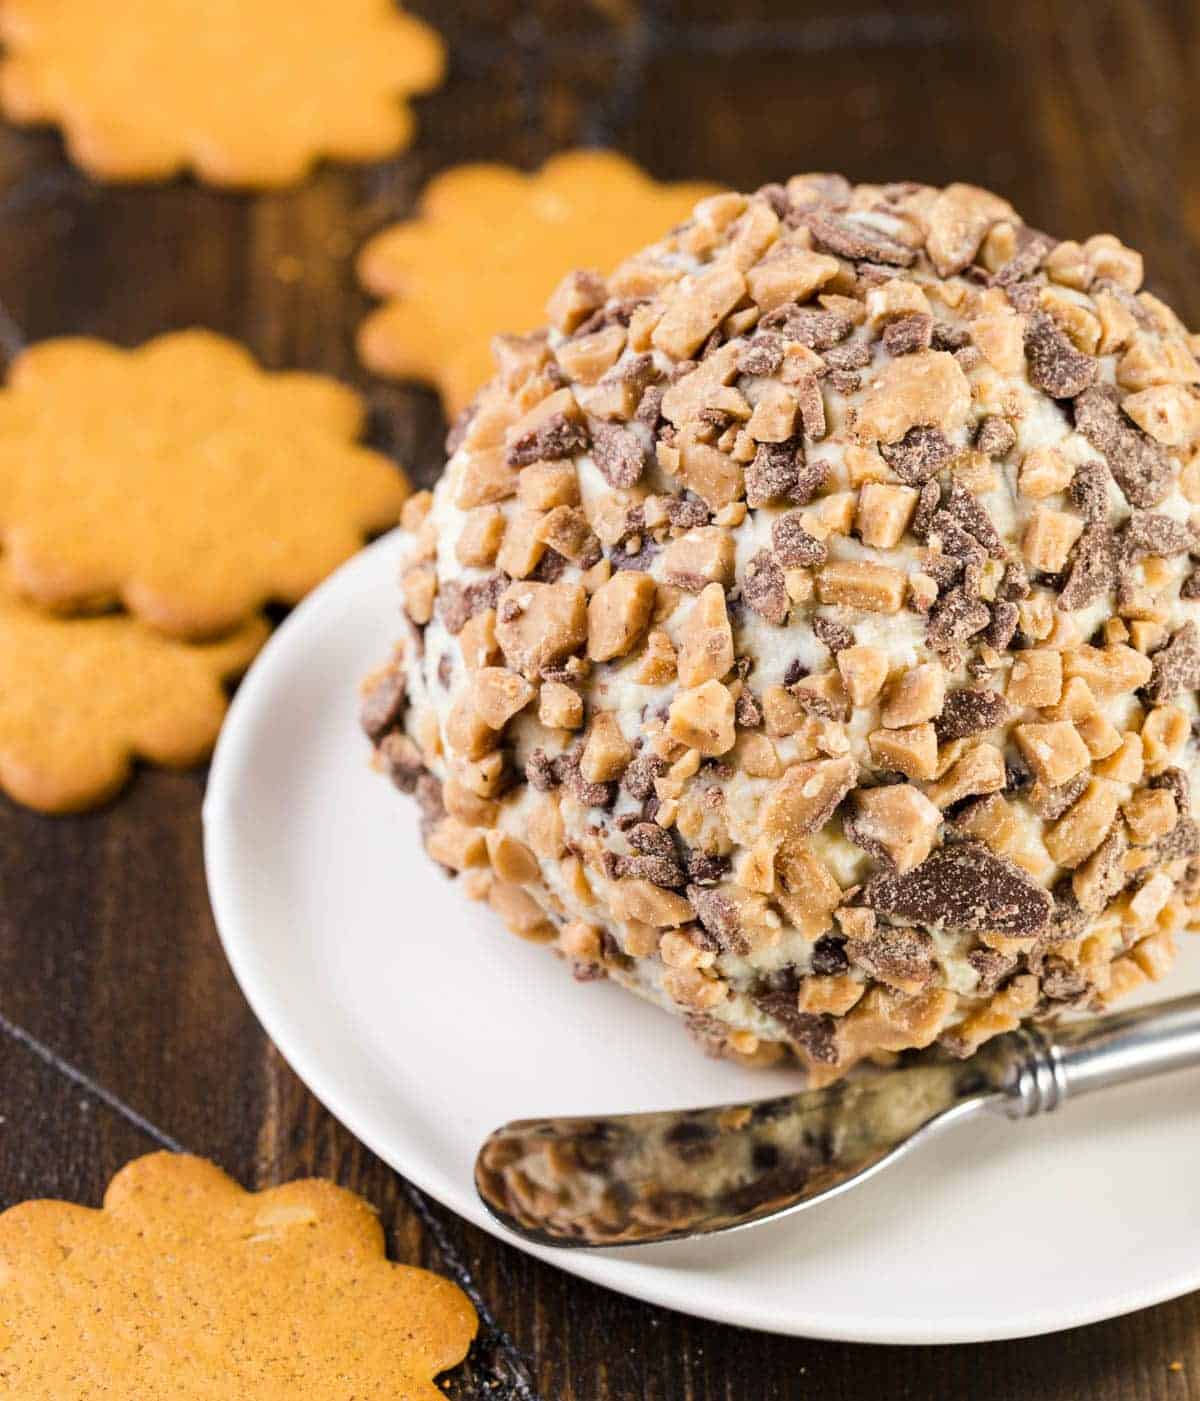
121	1027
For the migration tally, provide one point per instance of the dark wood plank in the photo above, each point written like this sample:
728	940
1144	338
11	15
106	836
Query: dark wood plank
120	1024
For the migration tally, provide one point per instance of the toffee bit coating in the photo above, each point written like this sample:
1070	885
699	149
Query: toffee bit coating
805	635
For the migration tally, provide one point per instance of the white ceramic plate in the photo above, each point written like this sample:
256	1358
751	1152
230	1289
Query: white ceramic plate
422	1024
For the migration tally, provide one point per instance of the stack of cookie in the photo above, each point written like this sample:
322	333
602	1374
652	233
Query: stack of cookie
185	486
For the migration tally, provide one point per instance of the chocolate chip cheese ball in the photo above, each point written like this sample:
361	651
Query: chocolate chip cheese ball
804	631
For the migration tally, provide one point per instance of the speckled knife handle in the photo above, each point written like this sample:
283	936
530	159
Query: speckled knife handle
1075	1059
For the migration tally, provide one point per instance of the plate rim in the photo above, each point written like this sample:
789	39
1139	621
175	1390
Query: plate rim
604	1268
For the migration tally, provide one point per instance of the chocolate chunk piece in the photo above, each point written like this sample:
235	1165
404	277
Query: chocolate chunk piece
640	773
1190	588
764	588
1089	490
641	559
1000	632
844	381
967	555
836	636
963	886
1068	918
818	330
903	958
1055	366
719	915
560	436
657	860
1182	841
794	546
748	711
1175	781
458	603
954	619
704	869
947	337
928	504
1139	465
618	453
402	761
540	772
1051	803
996	436
1024	297
919	455
856	356
429	801
945	569
1091	569
1107	874
1015	584
1032	247
551	567
1148	533
905	335
761	355
383	704
857	241
967	511
685	512
649	409
810	478
592	795
863	835
1176	666
969	712
992	966
812	407
775	472
829	956
1062	981
815	1035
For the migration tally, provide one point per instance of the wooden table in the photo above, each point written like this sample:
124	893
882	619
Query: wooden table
121	1028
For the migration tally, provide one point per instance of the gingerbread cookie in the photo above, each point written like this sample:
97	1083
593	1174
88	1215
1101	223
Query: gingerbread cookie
485	251
181	479
83	697
186	1286
242	92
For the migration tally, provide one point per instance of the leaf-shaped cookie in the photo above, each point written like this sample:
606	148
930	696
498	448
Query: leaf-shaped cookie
243	92
488	246
185	1286
81	698
182	479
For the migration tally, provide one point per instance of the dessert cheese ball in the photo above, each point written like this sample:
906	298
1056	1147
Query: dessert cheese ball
804	631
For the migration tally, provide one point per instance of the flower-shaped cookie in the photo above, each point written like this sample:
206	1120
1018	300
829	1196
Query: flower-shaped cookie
488	246
185	1286
83	697
181	479
243	92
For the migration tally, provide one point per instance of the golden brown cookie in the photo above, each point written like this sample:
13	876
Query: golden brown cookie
181	479
487	248
186	1286
242	92
83	697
